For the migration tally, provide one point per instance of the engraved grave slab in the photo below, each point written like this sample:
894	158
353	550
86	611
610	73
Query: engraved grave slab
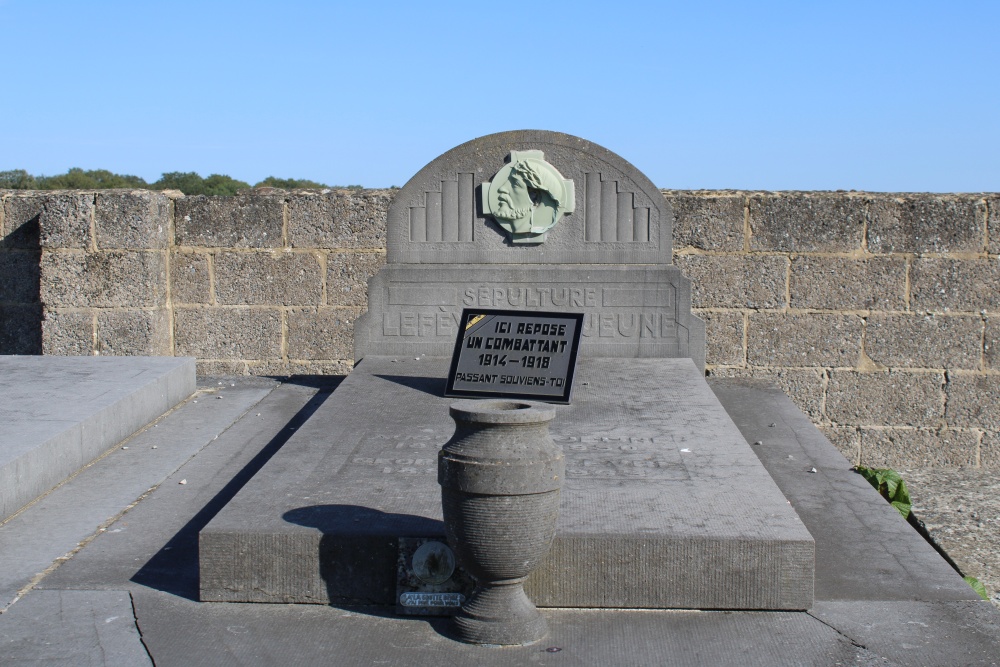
664	504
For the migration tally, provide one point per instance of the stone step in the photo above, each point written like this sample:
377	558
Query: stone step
57	414
664	504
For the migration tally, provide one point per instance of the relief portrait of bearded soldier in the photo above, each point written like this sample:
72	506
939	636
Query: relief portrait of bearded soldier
528	196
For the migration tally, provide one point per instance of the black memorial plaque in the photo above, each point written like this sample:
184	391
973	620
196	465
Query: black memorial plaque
515	354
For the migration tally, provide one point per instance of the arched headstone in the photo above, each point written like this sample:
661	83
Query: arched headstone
531	220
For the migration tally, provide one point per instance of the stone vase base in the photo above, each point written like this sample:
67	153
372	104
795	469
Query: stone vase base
500	614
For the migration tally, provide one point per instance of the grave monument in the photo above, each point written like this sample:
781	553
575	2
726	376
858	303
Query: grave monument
663	505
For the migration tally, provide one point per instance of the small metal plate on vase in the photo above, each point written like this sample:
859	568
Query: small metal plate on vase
428	580
515	354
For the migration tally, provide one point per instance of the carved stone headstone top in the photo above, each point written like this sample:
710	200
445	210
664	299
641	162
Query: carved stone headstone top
591	207
531	220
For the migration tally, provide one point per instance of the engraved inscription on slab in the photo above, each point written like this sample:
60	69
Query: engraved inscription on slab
514	354
528	196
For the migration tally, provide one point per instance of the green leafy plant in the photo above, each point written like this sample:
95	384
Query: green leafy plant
890	485
978	587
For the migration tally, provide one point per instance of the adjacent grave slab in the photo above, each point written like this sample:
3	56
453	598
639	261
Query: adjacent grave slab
58	413
664	505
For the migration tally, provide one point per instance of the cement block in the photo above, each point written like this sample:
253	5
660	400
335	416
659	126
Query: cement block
707	221
885	399
254	221
720	281
924	341
68	332
927	223
805	387
847	440
190	278
59	413
228	333
657	511
107	279
323	333
20	227
991	344
133	332
19	276
901	448
973	401
347	275
993	224
49	220
779	339
724	332
263	278
839	283
136	220
340	219
942	285
21	329
989	451
800	222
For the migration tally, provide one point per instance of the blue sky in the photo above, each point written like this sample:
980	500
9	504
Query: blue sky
882	96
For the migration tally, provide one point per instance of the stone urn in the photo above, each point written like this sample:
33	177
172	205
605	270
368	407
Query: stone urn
500	476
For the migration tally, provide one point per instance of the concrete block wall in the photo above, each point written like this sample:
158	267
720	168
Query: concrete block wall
876	313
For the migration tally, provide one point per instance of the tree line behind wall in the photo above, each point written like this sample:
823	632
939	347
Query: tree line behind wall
190	183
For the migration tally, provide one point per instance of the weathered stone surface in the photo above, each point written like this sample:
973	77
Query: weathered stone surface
347	275
708	222
252	221
804	387
107	279
726	281
133	333
779	339
340	219
991	344
698	509
973	401
846	439
190	279
223	368
635	311
68	332
885	399
838	283
134	220
619	216
942	285
19	276
19	223
51	220
723	338
993	224
800	222
228	333
21	329
927	223
901	448
989	451
268	278
324	333
924	341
